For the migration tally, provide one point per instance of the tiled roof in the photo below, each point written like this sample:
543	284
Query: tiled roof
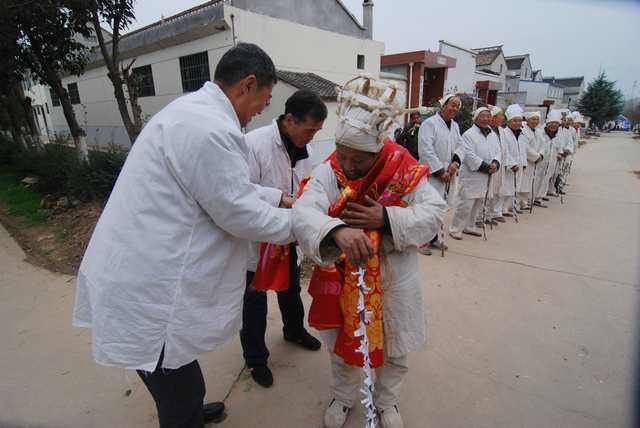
486	56
310	81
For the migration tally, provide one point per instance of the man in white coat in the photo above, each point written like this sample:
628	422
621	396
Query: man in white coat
554	142
438	139
336	203
278	158
480	154
162	279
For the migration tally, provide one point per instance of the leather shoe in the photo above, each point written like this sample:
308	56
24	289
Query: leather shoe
262	375
304	340
213	412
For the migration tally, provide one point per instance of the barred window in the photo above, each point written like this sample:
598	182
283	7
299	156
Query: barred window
55	100
74	95
143	78
194	70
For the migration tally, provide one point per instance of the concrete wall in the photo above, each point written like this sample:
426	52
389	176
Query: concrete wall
324	14
302	48
461	78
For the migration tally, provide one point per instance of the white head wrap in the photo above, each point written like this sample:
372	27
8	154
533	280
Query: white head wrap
531	114
366	111
554	116
446	98
495	110
513	111
478	111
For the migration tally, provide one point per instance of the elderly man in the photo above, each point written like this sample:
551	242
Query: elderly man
438	139
480	154
162	279
278	158
369	205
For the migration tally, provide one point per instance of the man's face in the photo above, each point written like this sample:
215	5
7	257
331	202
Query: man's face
354	163
483	119
451	108
497	120
515	123
416	119
533	122
553	126
251	99
301	132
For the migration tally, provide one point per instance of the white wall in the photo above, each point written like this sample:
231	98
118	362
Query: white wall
301	48
461	78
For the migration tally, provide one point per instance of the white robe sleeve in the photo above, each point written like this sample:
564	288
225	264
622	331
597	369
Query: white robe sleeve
471	160
217	176
311	221
426	149
413	226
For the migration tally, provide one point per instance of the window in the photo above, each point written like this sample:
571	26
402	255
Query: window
360	62
194	70
74	95
55	100
143	78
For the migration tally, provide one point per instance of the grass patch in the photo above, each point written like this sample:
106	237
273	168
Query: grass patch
20	201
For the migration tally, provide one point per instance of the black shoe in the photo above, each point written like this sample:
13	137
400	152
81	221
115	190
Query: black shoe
304	340
214	413
262	375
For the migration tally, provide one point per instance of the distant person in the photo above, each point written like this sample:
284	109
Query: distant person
279	159
409	137
161	281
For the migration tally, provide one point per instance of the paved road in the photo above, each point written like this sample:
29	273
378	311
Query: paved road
534	328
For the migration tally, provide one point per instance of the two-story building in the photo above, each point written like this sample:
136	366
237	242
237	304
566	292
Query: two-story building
314	44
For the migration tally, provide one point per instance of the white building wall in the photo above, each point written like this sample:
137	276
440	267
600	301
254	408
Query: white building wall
307	49
461	78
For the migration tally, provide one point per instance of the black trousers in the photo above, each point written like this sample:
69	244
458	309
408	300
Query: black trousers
178	393
254	315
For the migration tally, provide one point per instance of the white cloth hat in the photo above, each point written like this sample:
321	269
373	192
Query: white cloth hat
513	111
446	98
478	111
532	114
495	110
366	111
554	116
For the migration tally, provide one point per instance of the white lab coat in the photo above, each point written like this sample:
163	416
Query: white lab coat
403	316
532	153
270	166
476	148
436	146
167	261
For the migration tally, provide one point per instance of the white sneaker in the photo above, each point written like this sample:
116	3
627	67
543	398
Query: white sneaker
390	418
473	231
456	235
336	415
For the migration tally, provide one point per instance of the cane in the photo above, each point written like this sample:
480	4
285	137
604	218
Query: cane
533	181
484	208
514	207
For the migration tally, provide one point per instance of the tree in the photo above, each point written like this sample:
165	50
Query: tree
118	14
602	100
46	36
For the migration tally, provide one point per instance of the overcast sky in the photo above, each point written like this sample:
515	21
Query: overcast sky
564	37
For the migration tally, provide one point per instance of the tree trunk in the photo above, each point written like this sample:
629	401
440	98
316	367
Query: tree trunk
77	133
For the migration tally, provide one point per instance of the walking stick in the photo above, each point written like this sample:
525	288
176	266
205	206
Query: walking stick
441	237
515	193
533	181
484	208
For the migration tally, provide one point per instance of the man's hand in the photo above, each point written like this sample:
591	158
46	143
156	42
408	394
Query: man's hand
367	216
286	201
515	168
493	168
354	244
